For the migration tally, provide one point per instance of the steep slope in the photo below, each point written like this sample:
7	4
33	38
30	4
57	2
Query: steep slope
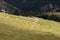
27	28
34	4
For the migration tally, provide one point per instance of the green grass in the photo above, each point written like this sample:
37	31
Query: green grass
25	28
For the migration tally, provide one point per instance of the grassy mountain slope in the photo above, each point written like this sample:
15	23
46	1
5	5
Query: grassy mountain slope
25	28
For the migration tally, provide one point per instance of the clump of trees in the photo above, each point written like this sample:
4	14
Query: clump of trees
37	13
55	17
51	16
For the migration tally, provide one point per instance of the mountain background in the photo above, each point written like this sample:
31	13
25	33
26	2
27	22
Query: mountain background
26	5
35	8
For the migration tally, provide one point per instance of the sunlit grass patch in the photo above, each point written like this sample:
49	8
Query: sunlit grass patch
25	28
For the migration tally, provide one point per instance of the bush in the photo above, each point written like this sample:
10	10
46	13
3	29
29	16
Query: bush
55	17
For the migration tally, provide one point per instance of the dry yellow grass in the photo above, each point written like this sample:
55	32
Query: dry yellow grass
25	28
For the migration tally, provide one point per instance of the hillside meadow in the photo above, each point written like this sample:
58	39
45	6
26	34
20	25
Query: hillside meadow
28	28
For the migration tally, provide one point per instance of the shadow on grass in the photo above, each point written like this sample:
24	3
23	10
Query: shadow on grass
23	35
46	36
10	33
39	36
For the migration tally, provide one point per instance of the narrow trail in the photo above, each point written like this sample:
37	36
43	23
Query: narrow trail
36	19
